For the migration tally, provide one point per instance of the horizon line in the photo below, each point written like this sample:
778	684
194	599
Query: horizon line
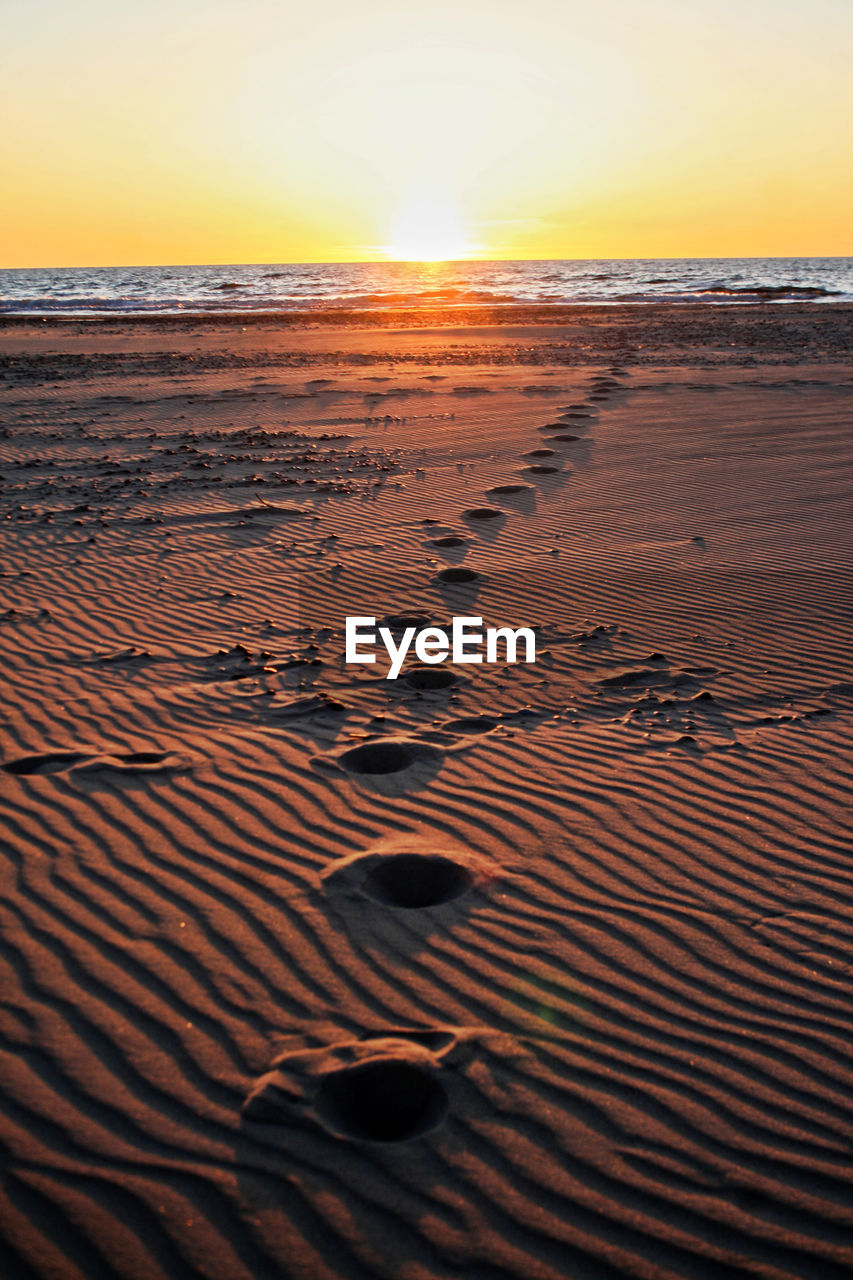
438	262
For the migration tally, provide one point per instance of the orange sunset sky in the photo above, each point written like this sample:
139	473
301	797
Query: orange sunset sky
214	131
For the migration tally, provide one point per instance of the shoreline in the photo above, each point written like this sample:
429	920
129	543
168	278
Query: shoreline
431	316
677	335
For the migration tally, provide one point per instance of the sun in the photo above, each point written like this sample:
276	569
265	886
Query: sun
428	229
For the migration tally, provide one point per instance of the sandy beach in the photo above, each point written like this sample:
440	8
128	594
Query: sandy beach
492	971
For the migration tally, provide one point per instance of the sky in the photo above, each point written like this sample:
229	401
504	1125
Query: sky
206	131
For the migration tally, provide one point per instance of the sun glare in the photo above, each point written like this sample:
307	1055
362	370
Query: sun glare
428	229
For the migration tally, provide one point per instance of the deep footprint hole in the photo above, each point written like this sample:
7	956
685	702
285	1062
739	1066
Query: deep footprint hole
482	513
471	724
416	880
384	1101
506	490
379	757
458	574
450	541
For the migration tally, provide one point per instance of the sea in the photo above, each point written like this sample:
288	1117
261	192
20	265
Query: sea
194	290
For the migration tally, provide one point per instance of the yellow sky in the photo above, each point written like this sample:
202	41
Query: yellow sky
345	130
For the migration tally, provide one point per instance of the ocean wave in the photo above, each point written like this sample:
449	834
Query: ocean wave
323	287
767	292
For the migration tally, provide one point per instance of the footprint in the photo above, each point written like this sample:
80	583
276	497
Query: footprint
80	764
408	873
402	621
413	881
387	755
138	762
427	679
648	680
395	1085
144	758
541	469
457	574
45	762
387	1088
548	433
544	453
506	490
450	541
482	513
391	1099
470	724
